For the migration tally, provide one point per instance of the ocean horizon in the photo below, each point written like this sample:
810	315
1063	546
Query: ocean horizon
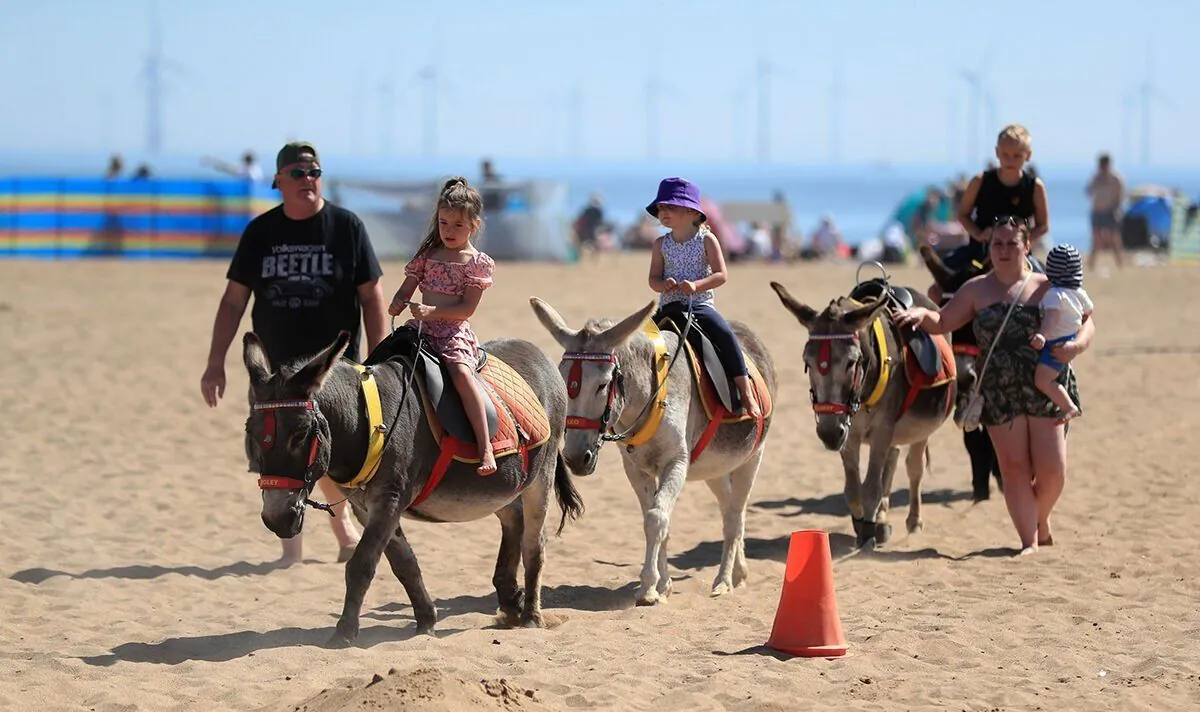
860	197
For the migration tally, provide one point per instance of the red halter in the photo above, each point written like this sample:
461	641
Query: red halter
268	441
574	383
823	364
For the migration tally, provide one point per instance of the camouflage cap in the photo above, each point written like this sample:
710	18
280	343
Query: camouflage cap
294	152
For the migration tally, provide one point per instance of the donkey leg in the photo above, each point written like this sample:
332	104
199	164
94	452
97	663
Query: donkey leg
914	462
853	486
657	503
720	487
741	483
883	530
360	569
509	594
404	565
535	502
872	488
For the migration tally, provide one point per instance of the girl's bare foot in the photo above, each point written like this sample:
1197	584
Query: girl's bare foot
1028	550
487	461
749	401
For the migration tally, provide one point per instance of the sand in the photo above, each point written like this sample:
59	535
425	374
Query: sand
135	573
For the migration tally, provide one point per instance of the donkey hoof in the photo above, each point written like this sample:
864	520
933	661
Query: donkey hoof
650	598
883	532
720	588
533	621
915	525
338	641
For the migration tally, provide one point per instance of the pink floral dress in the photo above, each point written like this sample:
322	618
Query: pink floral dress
453	338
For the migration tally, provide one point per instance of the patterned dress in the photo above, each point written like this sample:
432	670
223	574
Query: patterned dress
452	338
685	262
1008	386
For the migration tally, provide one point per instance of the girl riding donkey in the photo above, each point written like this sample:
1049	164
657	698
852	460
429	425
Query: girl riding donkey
686	265
452	275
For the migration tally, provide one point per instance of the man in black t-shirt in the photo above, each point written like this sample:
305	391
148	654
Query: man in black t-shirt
313	272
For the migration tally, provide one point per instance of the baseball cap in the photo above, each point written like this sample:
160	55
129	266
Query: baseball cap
294	152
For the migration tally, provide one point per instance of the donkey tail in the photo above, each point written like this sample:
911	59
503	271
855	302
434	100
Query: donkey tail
569	500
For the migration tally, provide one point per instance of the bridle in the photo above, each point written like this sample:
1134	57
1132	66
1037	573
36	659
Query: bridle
314	469
616	388
854	402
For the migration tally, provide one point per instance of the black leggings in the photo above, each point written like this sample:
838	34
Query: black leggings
984	462
717	330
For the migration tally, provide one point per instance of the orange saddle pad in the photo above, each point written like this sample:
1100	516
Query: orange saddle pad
712	401
510	394
918	379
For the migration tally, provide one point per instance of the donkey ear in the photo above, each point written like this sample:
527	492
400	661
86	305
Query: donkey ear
312	376
856	319
943	275
553	322
803	312
254	355
619	333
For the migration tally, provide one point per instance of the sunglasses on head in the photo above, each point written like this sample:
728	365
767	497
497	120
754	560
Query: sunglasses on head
298	173
1010	221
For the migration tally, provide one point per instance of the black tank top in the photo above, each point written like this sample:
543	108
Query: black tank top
997	199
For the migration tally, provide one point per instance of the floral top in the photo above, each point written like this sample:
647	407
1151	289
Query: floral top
453	338
451	277
686	262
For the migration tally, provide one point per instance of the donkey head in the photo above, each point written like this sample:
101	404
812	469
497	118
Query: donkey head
966	352
947	279
835	360
592	369
287	437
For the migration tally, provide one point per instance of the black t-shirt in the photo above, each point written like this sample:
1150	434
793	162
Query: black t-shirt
305	276
995	199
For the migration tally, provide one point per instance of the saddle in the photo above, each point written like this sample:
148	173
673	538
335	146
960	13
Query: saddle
438	390
921	345
719	396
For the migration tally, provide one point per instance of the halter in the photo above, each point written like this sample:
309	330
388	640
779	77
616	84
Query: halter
575	381
267	441
851	406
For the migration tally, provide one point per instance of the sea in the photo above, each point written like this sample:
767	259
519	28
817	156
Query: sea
860	198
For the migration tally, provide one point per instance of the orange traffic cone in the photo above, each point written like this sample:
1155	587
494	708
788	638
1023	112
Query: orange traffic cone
806	622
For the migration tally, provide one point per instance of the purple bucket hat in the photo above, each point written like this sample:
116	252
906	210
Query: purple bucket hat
678	192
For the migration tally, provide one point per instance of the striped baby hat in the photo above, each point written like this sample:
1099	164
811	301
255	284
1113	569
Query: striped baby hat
1064	267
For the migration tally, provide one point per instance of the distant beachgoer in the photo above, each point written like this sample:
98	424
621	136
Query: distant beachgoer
1107	191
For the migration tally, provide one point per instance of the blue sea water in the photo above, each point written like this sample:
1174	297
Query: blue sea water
860	197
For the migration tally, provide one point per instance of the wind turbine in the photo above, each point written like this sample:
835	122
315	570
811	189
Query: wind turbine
978	94
572	106
1148	92
154	73
654	90
387	115
435	87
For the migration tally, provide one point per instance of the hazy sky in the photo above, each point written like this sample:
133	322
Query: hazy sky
252	72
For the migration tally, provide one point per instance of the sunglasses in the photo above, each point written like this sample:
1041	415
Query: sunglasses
298	173
1010	221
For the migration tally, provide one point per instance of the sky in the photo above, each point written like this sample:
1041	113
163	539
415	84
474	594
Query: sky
567	79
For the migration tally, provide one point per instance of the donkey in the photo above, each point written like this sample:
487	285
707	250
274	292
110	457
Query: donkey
866	386
308	420
984	463
621	375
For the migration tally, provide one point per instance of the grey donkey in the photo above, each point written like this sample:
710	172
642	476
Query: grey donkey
330	435
857	398
615	389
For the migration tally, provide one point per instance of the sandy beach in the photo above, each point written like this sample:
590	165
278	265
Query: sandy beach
135	573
